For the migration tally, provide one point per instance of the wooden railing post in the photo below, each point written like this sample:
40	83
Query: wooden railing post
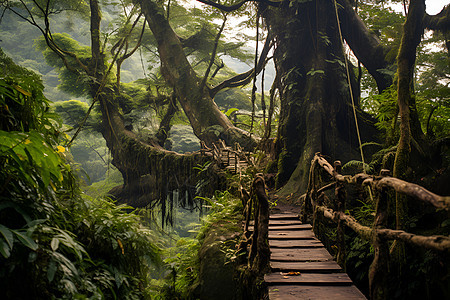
254	239
379	269
340	195
312	200
247	201
261	262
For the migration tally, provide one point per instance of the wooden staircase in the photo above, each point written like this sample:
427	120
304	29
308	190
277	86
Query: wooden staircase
234	161
301	266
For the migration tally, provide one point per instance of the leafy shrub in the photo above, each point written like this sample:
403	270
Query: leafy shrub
53	242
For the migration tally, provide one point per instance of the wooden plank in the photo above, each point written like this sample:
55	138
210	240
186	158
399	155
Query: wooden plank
307	279
290	227
306	243
275	222
315	293
292	235
313	254
287	216
308	267
286	227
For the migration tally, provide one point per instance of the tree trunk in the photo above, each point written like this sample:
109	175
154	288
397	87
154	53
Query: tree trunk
208	122
150	172
366	46
412	33
316	113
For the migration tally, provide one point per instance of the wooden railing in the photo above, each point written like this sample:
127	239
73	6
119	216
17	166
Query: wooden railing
378	234
256	208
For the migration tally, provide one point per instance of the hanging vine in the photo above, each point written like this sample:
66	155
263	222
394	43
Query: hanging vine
255	74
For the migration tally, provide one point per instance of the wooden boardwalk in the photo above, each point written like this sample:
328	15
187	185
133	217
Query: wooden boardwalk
301	266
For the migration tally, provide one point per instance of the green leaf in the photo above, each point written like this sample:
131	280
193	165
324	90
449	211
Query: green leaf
7	234
26	240
230	111
313	72
21	90
52	267
54	244
69	285
445	223
4	249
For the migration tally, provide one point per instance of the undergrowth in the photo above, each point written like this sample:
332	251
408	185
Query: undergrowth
181	280
56	243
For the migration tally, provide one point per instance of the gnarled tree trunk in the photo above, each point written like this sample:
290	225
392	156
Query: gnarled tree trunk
316	111
208	122
150	172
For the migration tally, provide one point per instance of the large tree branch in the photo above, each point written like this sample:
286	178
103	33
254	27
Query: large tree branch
233	7
245	78
440	22
365	45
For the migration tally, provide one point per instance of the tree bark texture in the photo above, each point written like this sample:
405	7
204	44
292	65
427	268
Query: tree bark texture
366	46
379	269
316	114
412	33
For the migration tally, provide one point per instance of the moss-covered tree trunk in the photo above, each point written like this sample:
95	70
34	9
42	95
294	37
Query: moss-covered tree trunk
316	111
208	122
150	172
412	33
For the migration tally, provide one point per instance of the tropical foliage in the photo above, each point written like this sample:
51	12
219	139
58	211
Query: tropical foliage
54	242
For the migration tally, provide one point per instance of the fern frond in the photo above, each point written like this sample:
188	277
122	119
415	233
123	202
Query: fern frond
371	144
357	165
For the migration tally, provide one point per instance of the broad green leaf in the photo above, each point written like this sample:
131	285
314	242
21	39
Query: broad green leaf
4	249
8	235
26	240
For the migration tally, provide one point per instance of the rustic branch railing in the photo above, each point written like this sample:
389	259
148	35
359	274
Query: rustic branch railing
256	206
378	235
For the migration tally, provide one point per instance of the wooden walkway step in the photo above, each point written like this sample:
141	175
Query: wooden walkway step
301	266
307	266
307	292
